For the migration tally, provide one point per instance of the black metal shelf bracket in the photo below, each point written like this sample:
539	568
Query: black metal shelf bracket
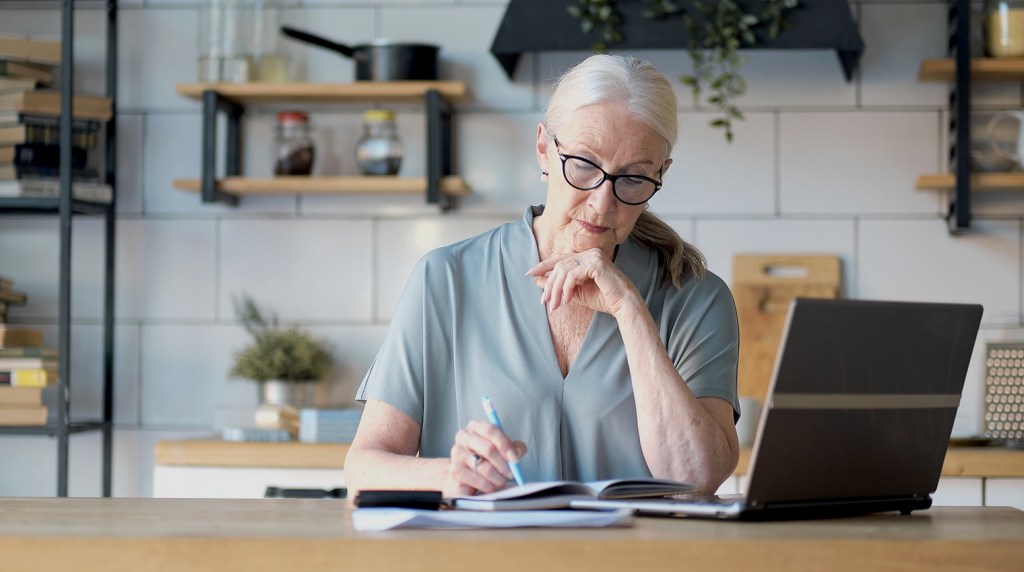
959	214
213	103
439	148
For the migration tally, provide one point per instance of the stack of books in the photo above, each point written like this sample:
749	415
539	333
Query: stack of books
30	125
26	367
328	425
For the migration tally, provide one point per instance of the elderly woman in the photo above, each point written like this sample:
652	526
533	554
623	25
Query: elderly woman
602	340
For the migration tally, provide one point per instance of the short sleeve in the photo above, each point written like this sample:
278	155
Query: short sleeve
396	375
704	339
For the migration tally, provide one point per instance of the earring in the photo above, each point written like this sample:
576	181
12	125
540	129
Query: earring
647	206
543	176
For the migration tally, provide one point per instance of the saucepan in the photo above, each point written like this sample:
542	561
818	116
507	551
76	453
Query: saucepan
381	60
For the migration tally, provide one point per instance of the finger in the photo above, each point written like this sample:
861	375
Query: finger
574	278
572	273
502	448
466	472
490	443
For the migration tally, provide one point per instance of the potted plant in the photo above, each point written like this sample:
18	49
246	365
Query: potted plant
717	30
286	361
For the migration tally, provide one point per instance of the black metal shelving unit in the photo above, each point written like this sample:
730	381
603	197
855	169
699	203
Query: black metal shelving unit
66	208
959	215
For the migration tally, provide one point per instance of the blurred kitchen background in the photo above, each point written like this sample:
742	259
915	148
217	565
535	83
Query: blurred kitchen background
819	166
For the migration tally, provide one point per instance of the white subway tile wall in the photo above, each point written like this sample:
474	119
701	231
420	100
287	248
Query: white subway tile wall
820	165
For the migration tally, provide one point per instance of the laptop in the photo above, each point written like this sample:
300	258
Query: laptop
858	415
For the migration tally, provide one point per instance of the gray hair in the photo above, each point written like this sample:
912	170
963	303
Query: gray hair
649	96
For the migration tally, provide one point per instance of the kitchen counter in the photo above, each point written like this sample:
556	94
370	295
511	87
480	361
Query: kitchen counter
138	535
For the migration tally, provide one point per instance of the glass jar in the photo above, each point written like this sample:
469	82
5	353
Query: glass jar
379	151
225	52
293	147
1004	28
269	60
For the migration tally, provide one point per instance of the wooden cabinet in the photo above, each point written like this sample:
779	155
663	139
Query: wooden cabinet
211	468
441	185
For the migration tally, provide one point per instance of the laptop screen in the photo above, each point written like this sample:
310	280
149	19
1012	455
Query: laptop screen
862	401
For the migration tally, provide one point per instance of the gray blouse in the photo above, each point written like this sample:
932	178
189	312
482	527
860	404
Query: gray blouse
470	323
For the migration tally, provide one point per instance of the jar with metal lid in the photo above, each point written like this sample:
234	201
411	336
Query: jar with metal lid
1004	28
293	147
379	151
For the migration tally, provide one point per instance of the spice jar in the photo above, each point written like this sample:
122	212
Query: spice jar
293	147
379	151
1004	28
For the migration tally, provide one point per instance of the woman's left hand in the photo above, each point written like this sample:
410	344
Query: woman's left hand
588	278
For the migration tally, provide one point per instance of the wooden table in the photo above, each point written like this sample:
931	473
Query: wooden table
137	535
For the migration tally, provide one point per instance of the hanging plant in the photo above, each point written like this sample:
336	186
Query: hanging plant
717	28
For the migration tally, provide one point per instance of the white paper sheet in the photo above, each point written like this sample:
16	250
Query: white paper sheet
378	519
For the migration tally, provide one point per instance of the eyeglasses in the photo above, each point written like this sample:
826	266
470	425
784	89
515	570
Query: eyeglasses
585	175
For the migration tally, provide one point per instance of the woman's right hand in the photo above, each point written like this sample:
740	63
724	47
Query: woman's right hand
479	460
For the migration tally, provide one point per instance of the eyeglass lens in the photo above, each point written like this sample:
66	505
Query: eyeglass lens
585	175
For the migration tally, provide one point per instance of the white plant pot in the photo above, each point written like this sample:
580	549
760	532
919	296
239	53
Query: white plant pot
298	394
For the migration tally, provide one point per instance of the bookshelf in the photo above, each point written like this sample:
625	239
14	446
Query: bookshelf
65	210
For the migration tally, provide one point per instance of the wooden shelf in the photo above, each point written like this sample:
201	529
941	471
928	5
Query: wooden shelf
451	185
354	92
990	69
979	182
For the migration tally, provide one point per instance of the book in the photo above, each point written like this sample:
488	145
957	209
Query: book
17	395
19	337
18	128
43	73
257	434
25	415
13	298
12	363
379	519
47	102
560	494
28	377
328	425
41	156
28	352
81	190
9	84
30	49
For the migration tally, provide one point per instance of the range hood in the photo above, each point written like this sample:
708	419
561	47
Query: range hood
546	26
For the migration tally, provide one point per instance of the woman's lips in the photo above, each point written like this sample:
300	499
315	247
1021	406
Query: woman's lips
591	228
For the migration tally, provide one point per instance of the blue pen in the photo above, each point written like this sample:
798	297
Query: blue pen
493	416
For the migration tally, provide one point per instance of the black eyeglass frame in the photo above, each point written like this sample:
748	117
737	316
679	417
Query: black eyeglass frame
605	176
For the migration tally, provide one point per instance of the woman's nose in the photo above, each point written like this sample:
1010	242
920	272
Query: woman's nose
602	197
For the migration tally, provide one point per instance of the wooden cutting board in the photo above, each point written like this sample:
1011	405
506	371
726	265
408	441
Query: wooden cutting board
763	286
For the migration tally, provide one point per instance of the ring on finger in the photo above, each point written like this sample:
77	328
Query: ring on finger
577	261
474	461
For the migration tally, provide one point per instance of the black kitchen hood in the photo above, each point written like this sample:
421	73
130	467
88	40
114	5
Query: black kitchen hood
546	26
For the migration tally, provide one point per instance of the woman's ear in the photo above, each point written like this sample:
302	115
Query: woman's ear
542	147
664	168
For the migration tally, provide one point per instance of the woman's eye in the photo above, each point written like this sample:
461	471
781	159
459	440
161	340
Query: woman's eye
632	181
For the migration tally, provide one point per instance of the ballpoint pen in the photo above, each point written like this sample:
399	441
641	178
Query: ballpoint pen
493	416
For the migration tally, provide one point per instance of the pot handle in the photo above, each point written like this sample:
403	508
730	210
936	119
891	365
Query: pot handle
317	41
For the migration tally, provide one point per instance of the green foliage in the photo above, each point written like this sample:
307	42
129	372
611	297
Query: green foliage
282	353
718	28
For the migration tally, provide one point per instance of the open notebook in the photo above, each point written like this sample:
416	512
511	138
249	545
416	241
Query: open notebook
858	415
